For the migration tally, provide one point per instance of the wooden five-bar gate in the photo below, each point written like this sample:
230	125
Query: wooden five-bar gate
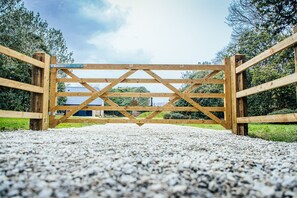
234	95
150	70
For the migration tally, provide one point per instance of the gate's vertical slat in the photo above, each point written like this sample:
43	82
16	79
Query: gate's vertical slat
239	106
39	102
295	58
227	91
53	90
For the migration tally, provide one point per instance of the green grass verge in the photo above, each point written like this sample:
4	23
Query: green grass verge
272	132
159	116
10	124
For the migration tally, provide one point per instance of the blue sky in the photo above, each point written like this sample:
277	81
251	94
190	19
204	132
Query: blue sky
139	31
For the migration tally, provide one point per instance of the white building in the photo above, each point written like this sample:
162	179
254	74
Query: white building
77	100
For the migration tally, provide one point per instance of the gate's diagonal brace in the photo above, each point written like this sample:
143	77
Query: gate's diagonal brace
185	97
188	90
96	95
107	100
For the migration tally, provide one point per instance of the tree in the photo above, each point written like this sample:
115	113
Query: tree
278	16
273	16
251	36
128	101
24	31
205	88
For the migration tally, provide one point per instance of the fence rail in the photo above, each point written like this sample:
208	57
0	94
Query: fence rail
39	88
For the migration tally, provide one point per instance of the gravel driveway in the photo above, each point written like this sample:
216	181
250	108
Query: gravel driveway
122	160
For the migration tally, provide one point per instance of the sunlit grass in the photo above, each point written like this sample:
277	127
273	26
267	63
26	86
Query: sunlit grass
273	132
158	116
10	124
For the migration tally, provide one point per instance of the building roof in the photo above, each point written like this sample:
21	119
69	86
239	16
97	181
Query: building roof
77	100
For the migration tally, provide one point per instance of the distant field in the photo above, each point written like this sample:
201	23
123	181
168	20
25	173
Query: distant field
273	132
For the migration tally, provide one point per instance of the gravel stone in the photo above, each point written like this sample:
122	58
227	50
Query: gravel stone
124	160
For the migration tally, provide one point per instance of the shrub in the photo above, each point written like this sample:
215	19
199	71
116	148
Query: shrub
175	116
166	116
282	111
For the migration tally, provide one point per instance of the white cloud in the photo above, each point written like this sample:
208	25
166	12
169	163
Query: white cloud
103	12
167	31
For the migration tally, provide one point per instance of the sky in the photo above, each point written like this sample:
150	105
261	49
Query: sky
138	31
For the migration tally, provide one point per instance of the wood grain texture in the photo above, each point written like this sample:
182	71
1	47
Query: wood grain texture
190	88
142	66
139	121
282	118
268	86
36	98
143	95
142	80
286	43
19	114
228	94
93	90
53	90
18	85
185	97
95	95
141	108
21	57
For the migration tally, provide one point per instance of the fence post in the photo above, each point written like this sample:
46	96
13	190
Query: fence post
239	106
53	89
39	101
227	91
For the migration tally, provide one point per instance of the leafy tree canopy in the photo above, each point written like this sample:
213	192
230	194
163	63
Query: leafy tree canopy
24	31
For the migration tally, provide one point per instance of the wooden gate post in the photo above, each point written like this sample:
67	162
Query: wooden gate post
295	58
228	94
53	90
39	101
239	106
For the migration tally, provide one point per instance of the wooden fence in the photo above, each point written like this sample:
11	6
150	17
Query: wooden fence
234	95
39	88
240	91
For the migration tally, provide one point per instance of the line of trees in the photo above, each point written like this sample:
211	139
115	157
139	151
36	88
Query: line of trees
127	101
24	31
257	25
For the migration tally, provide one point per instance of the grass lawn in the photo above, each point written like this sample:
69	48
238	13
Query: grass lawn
159	116
9	124
273	132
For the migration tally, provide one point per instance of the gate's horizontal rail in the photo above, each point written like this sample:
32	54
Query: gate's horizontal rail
155	121
139	80
137	67
140	108
144	95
